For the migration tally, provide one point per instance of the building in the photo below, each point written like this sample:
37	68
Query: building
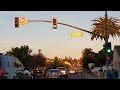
116	59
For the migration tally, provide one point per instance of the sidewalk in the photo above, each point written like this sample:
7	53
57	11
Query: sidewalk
91	76
100	75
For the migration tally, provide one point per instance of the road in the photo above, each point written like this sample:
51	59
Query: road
79	75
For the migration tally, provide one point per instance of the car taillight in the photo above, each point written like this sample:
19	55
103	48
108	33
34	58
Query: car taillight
2	71
36	68
43	72
46	74
32	72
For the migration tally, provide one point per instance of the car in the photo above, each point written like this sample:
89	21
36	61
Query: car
72	71
53	73
64	71
39	72
24	74
11	67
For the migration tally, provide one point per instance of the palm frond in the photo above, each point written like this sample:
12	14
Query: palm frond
99	27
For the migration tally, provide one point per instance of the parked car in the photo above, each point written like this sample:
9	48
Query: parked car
53	73
11	67
39	72
64	71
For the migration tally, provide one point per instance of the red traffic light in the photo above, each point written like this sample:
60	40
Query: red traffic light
54	21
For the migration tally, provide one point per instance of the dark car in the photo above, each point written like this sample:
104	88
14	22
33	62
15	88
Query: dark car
39	72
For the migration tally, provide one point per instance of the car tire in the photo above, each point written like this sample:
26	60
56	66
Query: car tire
33	77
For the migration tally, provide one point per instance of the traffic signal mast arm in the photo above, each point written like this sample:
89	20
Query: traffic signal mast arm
68	26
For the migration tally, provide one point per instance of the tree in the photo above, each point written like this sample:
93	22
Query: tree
99	59
38	60
99	27
21	53
87	57
56	62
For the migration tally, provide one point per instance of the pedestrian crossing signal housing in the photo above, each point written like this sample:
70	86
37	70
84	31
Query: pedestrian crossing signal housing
54	23
16	22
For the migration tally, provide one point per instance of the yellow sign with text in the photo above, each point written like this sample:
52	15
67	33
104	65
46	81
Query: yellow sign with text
76	34
23	21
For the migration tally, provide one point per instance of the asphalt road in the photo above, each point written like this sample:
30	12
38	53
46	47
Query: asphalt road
79	75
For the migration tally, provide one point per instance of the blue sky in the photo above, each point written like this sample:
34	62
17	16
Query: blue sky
40	35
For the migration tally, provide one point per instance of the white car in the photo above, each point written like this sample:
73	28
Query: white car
72	71
10	67
63	71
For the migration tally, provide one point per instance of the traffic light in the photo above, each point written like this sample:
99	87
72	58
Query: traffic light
54	23
16	22
108	50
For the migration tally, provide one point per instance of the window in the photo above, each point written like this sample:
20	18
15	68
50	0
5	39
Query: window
17	63
4	61
61	68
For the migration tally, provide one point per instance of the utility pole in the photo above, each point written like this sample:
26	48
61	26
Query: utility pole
106	38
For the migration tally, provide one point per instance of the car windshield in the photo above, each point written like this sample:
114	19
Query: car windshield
18	63
4	62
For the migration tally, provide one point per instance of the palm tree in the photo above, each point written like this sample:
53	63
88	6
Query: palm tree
99	27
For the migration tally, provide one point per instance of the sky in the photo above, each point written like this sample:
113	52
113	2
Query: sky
52	42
